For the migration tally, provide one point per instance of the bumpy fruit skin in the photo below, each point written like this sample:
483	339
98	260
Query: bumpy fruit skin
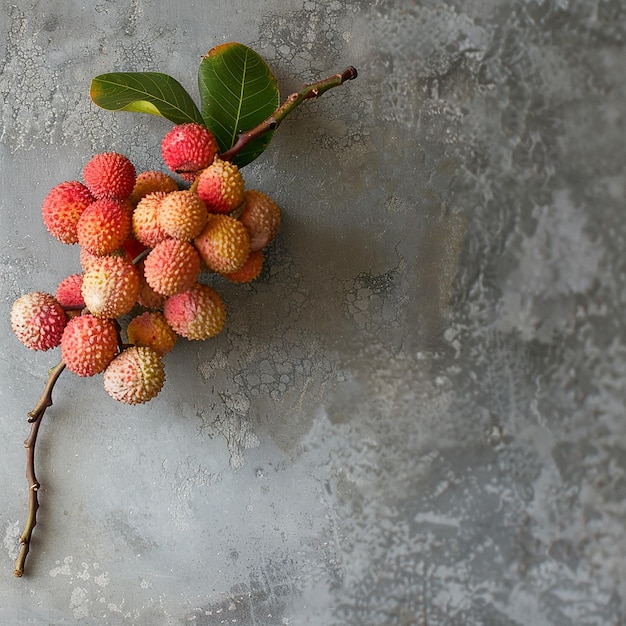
223	244
62	208
88	345
86	259
145	219
104	226
196	314
110	175
110	286
151	329
171	267
150	181
69	292
249	270
135	376
148	297
188	148
182	214
261	216
38	320
221	187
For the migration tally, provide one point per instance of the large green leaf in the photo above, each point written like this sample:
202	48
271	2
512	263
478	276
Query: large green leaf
237	92
145	92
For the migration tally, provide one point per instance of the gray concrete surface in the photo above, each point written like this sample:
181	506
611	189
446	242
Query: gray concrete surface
416	416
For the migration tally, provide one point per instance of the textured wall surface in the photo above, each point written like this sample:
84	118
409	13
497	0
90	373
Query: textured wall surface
416	415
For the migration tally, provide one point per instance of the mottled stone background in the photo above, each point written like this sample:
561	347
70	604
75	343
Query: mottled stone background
416	415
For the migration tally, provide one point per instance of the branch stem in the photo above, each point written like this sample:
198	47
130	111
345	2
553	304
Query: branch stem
314	90
34	419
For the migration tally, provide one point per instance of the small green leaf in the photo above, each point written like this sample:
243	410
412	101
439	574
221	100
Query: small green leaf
238	91
145	92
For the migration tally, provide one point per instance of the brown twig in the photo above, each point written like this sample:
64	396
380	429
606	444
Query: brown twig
314	90
34	418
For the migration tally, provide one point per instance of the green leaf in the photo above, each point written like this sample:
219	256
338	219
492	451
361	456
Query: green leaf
238	91
145	92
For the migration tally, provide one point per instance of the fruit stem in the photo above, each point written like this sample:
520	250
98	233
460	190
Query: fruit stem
34	419
314	90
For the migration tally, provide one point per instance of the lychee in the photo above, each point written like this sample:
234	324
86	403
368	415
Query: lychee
188	148
132	247
145	220
69	292
151	329
261	216
62	208
249	270
110	175
86	258
198	313
88	344
104	226
148	297
172	266
182	214
223	244
150	181
110	286
221	186
135	376
38	320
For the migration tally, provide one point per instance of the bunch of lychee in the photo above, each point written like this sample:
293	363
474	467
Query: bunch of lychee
146	244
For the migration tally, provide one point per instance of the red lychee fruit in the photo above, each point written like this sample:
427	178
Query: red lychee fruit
62	208
151	329
188	148
223	244
196	314
132	247
171	267
110	286
261	216
104	226
182	214
110	175
38	320
69	292
88	344
221	186
150	181
135	376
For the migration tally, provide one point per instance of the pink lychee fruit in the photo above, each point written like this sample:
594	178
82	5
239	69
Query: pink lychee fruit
172	266
198	313
88	344
135	376
110	286
69	292
38	320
